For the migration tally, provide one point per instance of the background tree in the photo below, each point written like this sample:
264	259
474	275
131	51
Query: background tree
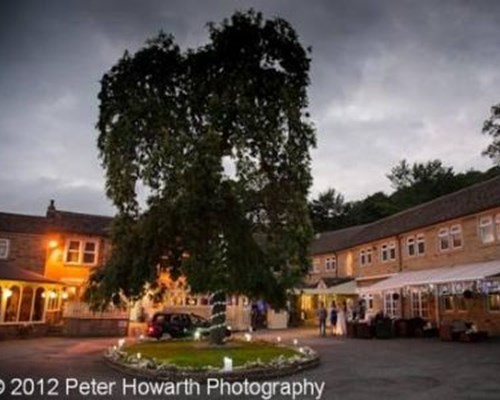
172	121
327	210
492	127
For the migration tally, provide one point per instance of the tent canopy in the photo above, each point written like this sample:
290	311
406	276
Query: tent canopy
461	273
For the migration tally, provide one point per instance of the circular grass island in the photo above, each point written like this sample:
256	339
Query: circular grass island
198	360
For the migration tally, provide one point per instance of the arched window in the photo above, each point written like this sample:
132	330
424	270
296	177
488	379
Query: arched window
12	304
26	303
39	304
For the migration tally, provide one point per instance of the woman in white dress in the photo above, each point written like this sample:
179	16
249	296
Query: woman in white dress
341	328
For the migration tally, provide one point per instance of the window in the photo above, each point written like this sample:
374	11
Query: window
494	302
447	302
420	304
459	303
314	266
4	249
410	246
81	252
330	263
420	244
365	257
388	251
456	236
391	304
12	304
368	298
486	231
443	239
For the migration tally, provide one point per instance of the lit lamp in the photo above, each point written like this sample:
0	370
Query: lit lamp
7	293
64	296
248	337
53	244
295	342
228	364
278	339
52	294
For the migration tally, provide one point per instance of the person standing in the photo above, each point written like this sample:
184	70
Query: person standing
322	314
333	318
341	320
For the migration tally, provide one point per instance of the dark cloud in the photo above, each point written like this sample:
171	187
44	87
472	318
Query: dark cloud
389	79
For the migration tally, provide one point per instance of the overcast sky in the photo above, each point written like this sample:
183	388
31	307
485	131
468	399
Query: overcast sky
389	80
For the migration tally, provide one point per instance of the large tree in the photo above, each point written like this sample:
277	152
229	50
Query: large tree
492	127
220	138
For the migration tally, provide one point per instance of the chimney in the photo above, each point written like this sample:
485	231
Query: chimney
51	209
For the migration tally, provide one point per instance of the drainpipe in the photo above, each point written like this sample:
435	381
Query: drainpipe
400	269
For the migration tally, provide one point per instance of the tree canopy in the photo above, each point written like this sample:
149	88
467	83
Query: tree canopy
219	137
491	127
414	184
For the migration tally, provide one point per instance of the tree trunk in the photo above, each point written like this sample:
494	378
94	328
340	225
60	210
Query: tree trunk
218	318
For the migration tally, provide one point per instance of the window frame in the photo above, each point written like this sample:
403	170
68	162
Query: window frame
444	237
456	231
488	302
331	263
486	222
411	243
388	251
81	251
6	242
420	240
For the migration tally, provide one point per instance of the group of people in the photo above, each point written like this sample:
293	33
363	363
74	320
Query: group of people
338	319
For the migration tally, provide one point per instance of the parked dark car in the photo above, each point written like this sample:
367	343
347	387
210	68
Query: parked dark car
178	325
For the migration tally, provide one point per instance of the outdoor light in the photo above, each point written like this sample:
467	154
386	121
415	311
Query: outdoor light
248	337
43	295
278	339
197	335
301	349
53	244
52	294
295	342
7	293
114	347
139	356
141	337
228	364
121	342
64	296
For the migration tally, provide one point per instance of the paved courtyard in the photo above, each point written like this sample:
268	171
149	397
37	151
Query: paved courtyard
350	368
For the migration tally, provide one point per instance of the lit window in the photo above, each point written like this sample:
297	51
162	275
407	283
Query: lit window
456	236
447	302
410	246
444	239
420	244
486	231
494	302
4	249
81	252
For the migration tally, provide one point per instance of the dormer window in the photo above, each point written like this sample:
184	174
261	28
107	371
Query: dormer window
81	252
4	249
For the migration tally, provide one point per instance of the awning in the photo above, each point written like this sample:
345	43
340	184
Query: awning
460	273
344	288
13	273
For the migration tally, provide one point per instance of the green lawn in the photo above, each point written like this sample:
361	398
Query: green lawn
200	354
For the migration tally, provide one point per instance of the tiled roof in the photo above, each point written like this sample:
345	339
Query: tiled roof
327	242
58	221
13	273
65	221
473	199
22	223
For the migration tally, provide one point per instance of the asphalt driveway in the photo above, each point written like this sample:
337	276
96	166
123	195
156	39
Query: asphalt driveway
350	369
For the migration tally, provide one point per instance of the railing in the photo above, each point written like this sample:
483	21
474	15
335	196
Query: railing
82	311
